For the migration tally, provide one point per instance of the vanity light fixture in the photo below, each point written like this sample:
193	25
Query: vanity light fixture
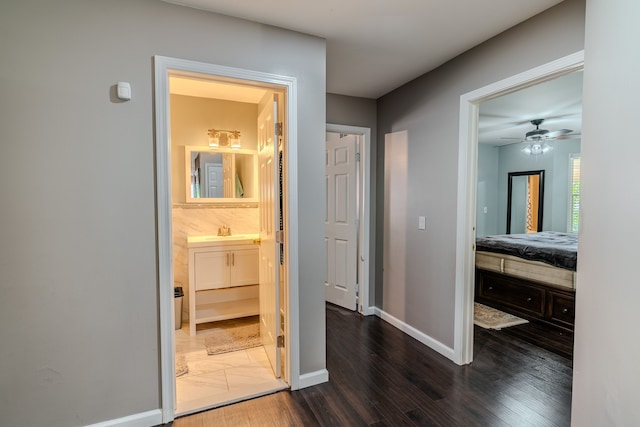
231	138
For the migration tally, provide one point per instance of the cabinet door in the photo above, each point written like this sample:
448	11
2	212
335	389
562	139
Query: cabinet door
244	267
211	270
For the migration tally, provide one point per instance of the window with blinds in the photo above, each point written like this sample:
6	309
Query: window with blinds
574	193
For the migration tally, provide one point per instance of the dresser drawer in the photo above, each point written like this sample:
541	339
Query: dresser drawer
501	289
561	308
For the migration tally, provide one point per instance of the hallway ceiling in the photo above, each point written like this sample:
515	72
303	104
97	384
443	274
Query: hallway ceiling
375	46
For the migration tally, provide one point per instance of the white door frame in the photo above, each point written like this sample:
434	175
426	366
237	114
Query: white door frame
467	182
364	304
162	67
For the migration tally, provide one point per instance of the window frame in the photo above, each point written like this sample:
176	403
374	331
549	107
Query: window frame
571	194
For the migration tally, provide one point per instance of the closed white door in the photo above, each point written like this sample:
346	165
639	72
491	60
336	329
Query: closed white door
341	222
214	180
269	225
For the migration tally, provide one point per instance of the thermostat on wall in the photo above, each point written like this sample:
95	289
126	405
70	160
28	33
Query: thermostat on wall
124	91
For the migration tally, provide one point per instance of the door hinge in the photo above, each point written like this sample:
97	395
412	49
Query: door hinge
357	157
357	289
280	341
278	129
280	236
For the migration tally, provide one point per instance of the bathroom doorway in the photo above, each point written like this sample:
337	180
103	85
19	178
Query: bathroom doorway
227	253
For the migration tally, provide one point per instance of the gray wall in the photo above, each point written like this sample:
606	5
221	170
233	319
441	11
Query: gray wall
487	190
354	111
606	369
79	307
428	108
555	164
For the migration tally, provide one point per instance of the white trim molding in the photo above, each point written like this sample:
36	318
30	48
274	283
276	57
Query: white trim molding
143	419
425	339
369	311
163	66
467	177
313	378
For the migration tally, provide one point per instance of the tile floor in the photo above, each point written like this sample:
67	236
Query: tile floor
222	378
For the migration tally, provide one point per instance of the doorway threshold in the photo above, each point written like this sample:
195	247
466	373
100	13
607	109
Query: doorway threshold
235	396
211	381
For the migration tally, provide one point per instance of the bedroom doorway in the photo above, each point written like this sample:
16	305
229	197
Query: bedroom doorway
468	188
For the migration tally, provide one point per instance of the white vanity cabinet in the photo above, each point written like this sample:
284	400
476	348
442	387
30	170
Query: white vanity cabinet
223	278
219	267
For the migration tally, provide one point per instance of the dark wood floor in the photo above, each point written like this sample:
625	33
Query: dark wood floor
381	377
556	340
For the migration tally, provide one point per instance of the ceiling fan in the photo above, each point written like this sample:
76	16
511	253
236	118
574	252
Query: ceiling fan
537	138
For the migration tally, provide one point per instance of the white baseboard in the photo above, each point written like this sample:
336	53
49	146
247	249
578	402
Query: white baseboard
313	378
425	339
368	311
143	419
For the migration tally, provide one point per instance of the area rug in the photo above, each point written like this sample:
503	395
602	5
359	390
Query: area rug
181	365
232	339
490	318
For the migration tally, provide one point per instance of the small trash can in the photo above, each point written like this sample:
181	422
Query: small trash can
178	294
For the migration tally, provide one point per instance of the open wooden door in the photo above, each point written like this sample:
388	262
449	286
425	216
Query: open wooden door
341	222
270	230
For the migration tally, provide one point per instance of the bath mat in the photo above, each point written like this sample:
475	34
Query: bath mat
233	339
181	365
490	318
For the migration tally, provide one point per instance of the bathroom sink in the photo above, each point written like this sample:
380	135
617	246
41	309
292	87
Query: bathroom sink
194	241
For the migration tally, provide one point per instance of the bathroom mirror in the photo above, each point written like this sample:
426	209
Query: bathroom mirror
220	175
525	199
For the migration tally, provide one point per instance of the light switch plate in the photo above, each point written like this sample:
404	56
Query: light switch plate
422	223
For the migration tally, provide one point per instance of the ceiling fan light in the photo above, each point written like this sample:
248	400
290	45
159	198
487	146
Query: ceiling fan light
537	148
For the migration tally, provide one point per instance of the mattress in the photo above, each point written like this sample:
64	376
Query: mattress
531	270
550	247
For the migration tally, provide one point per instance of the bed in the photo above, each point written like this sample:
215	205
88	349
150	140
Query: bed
529	275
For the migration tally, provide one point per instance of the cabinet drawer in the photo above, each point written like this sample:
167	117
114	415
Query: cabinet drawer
530	299
561	308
